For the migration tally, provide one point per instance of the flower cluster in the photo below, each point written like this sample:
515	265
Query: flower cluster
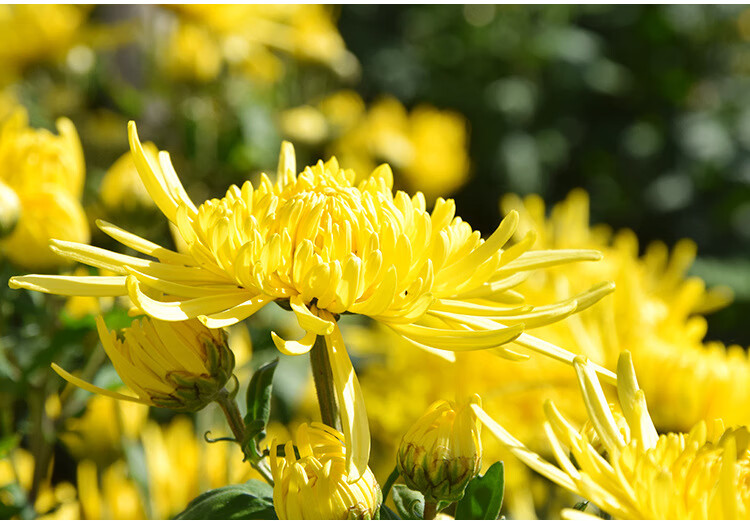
323	247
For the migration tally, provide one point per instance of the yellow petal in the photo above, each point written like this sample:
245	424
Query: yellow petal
93	388
92	286
294	347
351	406
307	320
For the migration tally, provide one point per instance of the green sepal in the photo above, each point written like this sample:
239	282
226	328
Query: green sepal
251	500
409	503
258	400
483	497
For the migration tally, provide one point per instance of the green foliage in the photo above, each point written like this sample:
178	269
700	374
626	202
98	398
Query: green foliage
258	399
483	497
409	503
251	500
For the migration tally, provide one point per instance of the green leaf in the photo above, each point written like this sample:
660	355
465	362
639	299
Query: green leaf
483	497
259	394
409	503
251	500
387	513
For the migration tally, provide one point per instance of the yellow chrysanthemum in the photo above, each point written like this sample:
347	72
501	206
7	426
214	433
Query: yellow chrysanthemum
642	475
427	147
35	33
248	36
655	313
323	247
46	173
315	485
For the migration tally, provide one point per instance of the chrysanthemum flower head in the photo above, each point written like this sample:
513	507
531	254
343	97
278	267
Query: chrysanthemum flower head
632	472
45	172
322	246
315	484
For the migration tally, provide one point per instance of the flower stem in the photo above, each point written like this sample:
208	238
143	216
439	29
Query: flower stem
323	377
430	509
234	418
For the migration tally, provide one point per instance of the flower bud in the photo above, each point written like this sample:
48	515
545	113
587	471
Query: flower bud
316	485
176	365
442	451
10	209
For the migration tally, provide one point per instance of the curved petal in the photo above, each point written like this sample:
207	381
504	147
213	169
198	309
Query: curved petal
83	384
294	347
351	405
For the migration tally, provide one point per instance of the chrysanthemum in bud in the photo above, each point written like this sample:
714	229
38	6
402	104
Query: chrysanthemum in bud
180	366
10	209
315	485
442	451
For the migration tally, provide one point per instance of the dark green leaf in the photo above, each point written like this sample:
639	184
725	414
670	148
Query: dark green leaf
483	497
251	500
259	394
581	505
387	513
409	503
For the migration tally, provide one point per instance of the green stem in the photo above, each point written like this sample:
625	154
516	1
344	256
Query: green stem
323	377
430	509
234	418
389	483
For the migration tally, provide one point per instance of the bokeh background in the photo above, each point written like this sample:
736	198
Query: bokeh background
644	107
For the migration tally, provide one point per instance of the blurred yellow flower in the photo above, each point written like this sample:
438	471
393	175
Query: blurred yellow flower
642	475
323	246
315	485
34	33
56	501
117	496
46	172
442	451
121	187
249	36
181	366
193	53
47	213
427	147
98	434
655	313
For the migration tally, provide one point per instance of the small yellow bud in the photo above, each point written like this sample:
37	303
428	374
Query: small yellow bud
10	209
442	451
315	485
176	365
